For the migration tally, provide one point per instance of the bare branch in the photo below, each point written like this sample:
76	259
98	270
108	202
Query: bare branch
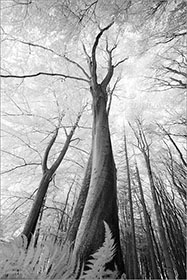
111	94
13	155
121	61
88	58
176	71
44	74
86	53
24	142
179	83
74	161
56	164
93	67
25	200
110	71
52	51
79	149
46	154
87	9
20	166
78	65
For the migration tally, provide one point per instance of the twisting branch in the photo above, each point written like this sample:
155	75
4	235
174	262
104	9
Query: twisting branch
93	66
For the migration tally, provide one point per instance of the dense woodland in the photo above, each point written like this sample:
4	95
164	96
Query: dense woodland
93	139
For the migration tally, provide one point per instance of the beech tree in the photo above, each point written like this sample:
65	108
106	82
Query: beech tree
98	197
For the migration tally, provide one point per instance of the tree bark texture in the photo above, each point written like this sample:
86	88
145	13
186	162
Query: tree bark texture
101	202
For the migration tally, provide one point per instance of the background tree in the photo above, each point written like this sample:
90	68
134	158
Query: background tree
144	148
134	246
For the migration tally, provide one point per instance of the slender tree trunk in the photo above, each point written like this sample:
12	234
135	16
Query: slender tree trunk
148	233
157	247
62	226
134	250
37	233
32	219
129	256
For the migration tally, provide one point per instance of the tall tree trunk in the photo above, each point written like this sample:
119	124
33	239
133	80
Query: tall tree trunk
148	232
101	201
134	248
32	219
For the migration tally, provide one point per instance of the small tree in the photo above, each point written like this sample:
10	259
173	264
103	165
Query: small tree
48	173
